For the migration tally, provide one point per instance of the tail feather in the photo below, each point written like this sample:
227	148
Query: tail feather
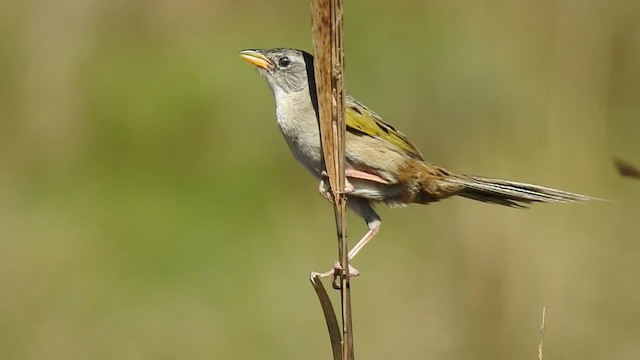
513	194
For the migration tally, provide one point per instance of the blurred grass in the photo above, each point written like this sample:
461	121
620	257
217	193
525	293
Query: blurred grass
144	212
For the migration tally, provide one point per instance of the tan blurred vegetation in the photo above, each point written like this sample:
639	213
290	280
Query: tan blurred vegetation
150	210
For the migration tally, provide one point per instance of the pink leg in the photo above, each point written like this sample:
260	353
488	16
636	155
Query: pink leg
374	227
357	174
364	209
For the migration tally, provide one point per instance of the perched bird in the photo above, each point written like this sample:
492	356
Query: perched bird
382	164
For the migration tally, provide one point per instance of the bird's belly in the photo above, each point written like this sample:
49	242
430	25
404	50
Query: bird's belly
388	193
304	143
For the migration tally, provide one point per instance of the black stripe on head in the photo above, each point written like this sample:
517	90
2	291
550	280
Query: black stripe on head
308	61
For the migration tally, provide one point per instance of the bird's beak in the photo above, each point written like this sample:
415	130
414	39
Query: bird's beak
257	59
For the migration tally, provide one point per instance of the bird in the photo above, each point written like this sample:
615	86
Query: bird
381	164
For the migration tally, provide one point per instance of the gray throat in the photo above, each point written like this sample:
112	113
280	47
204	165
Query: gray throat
298	123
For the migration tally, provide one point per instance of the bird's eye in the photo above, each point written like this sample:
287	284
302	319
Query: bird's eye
284	61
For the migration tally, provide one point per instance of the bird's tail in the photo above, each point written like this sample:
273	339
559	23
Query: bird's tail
511	193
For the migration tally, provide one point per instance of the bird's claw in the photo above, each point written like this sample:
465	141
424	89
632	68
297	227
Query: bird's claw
325	189
337	271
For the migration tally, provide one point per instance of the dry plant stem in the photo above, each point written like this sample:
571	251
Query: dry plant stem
540	356
329	60
329	315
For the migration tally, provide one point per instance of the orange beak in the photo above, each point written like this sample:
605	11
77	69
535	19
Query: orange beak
257	59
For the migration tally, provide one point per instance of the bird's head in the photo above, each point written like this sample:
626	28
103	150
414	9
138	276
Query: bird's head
286	70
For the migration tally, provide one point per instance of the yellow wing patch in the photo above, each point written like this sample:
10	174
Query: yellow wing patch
358	117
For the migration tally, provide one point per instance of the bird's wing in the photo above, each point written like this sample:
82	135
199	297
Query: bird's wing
361	120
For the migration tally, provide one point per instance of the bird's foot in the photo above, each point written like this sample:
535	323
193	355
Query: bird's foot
337	271
348	187
325	189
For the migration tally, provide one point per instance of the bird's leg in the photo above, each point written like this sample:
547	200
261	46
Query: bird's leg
363	208
325	188
374	227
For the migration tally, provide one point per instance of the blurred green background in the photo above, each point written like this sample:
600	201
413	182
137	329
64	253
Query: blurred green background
149	208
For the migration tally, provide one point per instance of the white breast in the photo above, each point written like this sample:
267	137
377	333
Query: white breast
298	124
